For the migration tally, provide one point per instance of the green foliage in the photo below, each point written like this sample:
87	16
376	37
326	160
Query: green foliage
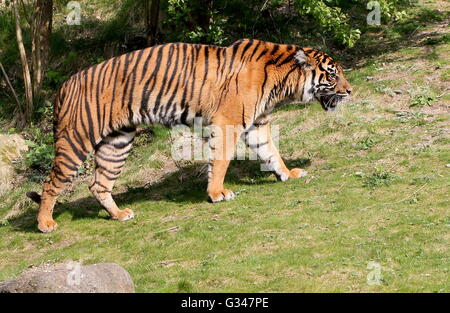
8	48
55	78
422	99
331	19
437	40
276	20
121	25
214	34
390	9
39	157
379	178
365	144
184	13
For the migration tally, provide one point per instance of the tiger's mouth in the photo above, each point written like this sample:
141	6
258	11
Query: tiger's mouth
329	102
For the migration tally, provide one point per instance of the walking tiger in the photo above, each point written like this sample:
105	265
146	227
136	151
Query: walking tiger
98	109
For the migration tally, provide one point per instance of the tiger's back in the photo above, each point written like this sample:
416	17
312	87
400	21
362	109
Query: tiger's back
168	84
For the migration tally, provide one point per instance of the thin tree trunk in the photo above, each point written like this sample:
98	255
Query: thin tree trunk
46	32
40	45
36	65
152	20
28	109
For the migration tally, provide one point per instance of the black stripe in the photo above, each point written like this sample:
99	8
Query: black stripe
69	167
99	184
99	89
108	170
218	61
79	140
110	159
197	54
110	122
125	66
288	59
89	116
122	145
258	145
164	80
114	63
224	57
109	177
80	155
147	60
261	55
275	49
175	69
254	50
67	157
133	82
247	46
172	78
233	56
184	116
146	90
206	73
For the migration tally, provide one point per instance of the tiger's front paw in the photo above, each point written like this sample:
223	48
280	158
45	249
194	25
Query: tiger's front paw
221	195
47	226
297	173
124	215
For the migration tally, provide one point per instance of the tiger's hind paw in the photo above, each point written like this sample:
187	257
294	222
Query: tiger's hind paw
297	173
222	195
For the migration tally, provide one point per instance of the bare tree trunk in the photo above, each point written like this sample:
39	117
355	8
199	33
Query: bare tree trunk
28	109
36	64
46	32
40	44
151	20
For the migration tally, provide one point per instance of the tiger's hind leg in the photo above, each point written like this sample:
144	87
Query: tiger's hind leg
110	156
70	154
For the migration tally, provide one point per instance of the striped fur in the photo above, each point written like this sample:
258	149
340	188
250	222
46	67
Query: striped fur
97	110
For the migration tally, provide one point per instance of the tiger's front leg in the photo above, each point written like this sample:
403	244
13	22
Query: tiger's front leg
259	139
222	145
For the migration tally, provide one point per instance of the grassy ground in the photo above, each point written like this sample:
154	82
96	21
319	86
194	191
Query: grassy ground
377	191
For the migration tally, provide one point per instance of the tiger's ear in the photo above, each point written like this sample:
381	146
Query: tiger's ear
304	60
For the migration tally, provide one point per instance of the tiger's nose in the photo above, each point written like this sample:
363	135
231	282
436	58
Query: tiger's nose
349	91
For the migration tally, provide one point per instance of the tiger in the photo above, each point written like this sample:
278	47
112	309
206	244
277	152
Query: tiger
97	110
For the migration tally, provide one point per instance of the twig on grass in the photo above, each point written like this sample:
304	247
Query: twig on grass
400	201
171	229
167	262
342	186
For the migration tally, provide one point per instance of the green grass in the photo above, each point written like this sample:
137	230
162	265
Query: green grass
377	191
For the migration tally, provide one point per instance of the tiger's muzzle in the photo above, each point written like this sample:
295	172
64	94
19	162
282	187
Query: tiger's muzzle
330	101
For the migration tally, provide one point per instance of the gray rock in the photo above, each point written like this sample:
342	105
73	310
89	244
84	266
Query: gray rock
71	278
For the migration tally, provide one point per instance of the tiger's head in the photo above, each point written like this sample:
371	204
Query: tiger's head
325	79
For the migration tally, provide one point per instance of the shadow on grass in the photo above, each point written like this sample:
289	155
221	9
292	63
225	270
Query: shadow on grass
186	185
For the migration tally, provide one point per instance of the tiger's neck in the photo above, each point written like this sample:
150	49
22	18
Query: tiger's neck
288	83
